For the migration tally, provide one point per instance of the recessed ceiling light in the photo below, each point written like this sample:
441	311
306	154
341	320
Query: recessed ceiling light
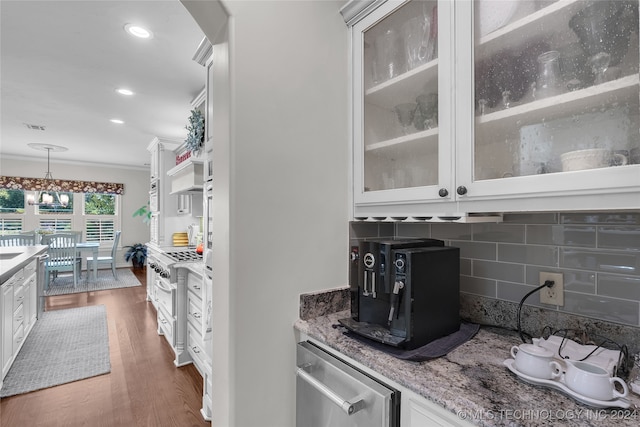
117	121
138	31
123	91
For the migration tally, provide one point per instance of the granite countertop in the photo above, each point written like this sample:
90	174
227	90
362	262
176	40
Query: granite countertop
10	264
472	382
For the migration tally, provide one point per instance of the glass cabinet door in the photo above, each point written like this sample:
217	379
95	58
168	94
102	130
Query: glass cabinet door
398	106
556	93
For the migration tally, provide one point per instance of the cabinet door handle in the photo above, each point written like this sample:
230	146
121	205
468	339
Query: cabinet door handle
443	192
462	190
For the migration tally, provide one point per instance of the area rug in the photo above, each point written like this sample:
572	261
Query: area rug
63	346
63	285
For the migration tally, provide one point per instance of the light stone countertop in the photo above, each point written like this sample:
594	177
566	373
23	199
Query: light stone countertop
11	264
196	267
472	381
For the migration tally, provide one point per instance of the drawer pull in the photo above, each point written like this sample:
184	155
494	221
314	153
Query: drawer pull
197	315
195	349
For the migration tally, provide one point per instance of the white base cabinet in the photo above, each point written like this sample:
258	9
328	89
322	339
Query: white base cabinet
416	411
18	302
196	343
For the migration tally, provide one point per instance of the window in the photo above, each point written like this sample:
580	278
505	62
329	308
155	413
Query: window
99	230
95	215
99	204
58	209
11	201
10	225
99	217
54	225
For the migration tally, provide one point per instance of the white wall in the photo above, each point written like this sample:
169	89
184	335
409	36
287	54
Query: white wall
281	219
136	187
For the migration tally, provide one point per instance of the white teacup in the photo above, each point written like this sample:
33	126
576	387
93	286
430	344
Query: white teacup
593	381
592	158
536	361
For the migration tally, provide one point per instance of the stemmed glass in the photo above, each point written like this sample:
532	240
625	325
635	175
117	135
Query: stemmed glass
508	75
604	29
405	113
428	108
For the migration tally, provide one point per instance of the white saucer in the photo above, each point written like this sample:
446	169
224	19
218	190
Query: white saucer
559	384
599	356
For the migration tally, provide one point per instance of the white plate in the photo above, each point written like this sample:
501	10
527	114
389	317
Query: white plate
494	14
561	386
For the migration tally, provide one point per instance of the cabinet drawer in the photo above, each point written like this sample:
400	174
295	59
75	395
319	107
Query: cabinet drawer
166	297
16	279
19	292
30	268
196	349
194	284
167	325
194	311
18	318
18	337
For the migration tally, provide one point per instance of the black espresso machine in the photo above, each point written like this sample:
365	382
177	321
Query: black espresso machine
404	292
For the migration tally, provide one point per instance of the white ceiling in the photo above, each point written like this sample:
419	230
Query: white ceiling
61	62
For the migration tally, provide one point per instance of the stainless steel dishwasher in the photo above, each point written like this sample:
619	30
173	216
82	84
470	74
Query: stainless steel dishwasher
332	393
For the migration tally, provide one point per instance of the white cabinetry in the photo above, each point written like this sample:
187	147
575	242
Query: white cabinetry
18	301
416	411
471	126
196	344
161	204
6	302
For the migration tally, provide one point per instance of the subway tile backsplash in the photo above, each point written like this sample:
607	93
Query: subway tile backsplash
597	252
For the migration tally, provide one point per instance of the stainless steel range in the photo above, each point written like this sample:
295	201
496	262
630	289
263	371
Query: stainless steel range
163	261
167	291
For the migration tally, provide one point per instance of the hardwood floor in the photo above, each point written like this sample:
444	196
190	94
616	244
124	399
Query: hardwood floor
144	388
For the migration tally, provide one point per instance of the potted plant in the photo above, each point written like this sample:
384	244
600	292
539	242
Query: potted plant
137	254
144	212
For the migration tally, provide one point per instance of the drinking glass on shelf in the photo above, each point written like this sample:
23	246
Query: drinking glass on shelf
405	113
604	29
428	108
387	63
414	34
509	76
549	80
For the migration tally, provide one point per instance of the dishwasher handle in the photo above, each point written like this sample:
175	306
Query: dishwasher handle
348	407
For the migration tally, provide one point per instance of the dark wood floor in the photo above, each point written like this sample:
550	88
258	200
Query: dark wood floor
144	388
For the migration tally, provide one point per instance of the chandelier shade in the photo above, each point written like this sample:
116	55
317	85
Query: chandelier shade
49	193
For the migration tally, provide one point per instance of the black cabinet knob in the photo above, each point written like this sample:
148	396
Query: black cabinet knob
462	190
443	192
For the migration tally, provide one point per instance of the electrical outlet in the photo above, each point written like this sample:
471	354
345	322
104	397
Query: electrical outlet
555	294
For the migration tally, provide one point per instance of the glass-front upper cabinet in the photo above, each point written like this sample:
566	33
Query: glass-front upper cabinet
402	102
554	98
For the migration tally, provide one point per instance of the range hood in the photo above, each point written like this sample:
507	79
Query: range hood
187	177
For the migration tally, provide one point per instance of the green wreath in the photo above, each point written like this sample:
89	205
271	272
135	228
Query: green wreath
195	137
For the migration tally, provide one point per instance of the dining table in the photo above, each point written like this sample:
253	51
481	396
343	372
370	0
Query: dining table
92	247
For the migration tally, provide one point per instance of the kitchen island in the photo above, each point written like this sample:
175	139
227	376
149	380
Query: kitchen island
13	258
471	382
19	299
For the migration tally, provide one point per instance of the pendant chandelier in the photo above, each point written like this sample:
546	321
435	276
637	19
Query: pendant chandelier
49	195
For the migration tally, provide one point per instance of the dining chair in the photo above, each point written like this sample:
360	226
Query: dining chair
20	239
62	256
106	259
